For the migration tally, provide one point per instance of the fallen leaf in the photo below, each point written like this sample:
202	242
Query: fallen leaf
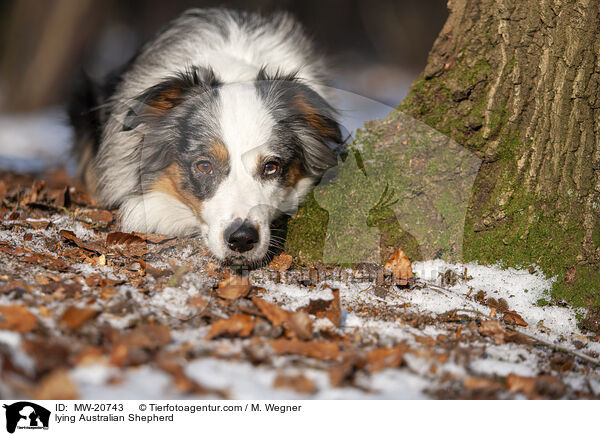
153	271
97	280
400	267
38	224
517	383
494	330
275	314
89	246
102	217
17	318
47	353
154	238
381	358
478	383
233	287
330	309
199	303
298	383
238	325
297	324
74	317
517	338
91	356
150	336
56	386
425	340
121	238
281	262
570	275
44	311
318	349
513	318
591	321
139	345
342	373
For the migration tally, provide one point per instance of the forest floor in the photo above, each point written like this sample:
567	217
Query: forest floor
89	312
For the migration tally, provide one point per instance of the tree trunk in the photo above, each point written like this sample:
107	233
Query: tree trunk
517	82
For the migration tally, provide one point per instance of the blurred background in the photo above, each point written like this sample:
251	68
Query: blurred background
377	48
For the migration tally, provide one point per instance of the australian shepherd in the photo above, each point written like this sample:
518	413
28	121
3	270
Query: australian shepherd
216	128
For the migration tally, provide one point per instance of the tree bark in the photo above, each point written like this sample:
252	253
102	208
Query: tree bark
517	82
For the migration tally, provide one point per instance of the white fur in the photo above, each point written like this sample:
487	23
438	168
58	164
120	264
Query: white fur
157	212
246	127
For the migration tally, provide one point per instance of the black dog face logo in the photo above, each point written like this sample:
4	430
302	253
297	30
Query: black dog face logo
24	414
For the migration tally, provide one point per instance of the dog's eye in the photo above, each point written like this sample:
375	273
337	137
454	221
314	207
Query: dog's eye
270	169
205	167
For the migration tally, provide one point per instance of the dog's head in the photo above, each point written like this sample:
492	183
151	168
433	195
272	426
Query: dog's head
238	155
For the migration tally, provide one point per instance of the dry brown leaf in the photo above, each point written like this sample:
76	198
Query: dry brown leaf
513	318
494	330
381	358
17	318
340	374
317	349
425	340
121	238
74	317
91	356
45	260
329	309
102	217
154	238
139	345
400	267
89	246
198	303
56	386
38	224
298	383
98	280
153	271
299	325
478	383
149	336
233	287
44	311
238	325
517	383
281	262
275	314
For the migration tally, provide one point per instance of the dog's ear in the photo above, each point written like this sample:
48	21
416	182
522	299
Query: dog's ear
321	138
159	99
312	119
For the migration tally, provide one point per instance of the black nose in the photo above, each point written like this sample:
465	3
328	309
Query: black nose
241	237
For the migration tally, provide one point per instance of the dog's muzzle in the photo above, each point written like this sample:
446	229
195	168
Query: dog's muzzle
241	236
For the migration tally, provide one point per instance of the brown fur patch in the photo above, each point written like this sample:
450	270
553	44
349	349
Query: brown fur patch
294	174
318	122
218	151
165	100
170	183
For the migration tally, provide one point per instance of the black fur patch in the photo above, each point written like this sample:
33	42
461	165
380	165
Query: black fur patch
306	123
169	93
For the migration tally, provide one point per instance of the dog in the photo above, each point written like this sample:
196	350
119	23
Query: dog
218	126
